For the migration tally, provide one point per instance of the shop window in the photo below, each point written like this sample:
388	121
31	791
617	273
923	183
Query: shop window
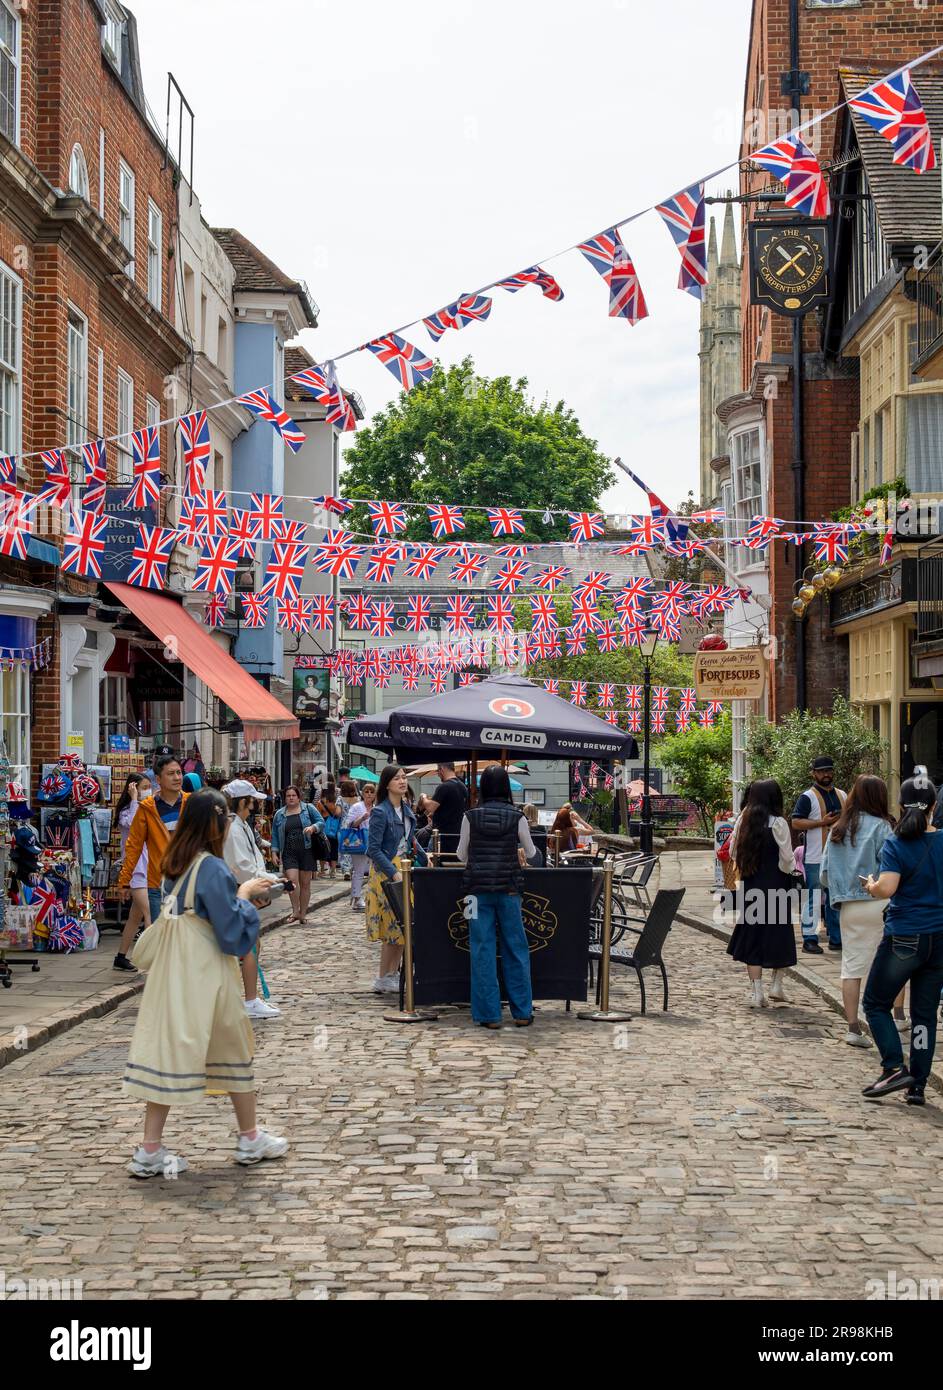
14	720
10	343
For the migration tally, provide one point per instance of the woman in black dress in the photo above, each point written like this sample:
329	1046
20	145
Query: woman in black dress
763	938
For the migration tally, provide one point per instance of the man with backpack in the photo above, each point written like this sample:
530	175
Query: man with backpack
813	815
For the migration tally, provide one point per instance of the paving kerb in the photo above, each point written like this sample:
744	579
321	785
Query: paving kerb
105	1001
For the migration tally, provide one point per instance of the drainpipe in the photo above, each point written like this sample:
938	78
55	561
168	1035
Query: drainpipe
797	81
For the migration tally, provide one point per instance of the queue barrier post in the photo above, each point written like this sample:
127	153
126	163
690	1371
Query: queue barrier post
435	848
604	1014
408	1014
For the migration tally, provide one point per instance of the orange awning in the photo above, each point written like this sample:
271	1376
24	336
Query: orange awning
262	715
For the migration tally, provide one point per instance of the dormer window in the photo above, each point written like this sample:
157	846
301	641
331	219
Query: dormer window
113	32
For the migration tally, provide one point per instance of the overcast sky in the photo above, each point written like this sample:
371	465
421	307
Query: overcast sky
395	156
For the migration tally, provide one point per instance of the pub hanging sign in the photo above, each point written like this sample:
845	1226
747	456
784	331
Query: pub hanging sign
789	265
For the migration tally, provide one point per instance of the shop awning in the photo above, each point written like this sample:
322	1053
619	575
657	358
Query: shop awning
261	714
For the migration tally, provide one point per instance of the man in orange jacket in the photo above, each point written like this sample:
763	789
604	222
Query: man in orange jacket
155	822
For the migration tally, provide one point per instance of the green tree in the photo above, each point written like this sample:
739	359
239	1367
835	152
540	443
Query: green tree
474	442
785	750
699	762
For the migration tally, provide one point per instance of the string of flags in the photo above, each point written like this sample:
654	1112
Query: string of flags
38	655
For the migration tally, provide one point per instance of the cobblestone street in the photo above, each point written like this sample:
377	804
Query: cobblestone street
713	1151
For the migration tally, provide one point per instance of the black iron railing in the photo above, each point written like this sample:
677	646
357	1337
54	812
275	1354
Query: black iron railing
930	306
930	593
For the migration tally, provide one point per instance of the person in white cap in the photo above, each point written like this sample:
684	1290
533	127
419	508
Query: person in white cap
241	853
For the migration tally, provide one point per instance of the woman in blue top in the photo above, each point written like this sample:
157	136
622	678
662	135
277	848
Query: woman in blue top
292	831
912	947
392	835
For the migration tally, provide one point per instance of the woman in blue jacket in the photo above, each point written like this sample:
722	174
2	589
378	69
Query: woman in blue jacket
294	825
392	836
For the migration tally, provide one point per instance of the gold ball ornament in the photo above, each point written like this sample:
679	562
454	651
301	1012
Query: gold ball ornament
818	581
831	576
807	593
798	607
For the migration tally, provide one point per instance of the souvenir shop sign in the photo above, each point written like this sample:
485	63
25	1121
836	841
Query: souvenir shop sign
555	906
121	534
156	680
730	675
789	265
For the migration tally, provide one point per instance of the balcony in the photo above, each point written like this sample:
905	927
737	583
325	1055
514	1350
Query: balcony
928	361
930	593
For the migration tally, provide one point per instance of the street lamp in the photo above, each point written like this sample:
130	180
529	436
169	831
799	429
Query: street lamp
646	838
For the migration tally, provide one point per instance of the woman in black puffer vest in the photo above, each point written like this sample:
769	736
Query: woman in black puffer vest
494	845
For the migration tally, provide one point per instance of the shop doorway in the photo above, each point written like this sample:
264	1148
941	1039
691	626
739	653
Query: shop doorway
921	738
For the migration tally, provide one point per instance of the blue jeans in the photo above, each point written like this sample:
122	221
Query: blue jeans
498	916
816	901
154	899
919	959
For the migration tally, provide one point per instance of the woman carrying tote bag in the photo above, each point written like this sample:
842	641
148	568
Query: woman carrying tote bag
192	1035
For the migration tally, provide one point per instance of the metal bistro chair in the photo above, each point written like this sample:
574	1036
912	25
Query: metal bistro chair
633	880
647	951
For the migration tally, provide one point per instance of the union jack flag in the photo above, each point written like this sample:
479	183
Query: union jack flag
216	567
510	577
658	721
706	717
211	512
575	641
634	721
341	561
357	674
607	636
418	612
611	718
605	695
466	570
145	451
197	450
255	610
406	362
665	624
887	546
894	109
533	275
552	687
798	170
592	584
324	387
683	215
512	552
381	564
677	529
831	546
438	682
761	531
214	611
660	695
382	617
459	613
387	518
410	681
262	404
688	698
337	505
358	612
96	476
7	471
506	521
293	614
628	600
607	254
682	720
242	531
83	548
322	612
577	692
543	612
586	612
15	523
633	696
586	526
672	598
445	519
285	570
645	532
709	516
551	577
467	678
57	490
151	555
423	562
267	515
500	613
466	309
289	530
540	645
633	628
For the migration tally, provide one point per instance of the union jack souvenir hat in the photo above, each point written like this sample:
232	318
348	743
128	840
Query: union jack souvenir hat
85	789
70	762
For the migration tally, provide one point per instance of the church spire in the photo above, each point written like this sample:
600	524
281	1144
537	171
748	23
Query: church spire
728	248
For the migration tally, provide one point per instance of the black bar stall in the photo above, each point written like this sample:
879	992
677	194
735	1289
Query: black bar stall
499	717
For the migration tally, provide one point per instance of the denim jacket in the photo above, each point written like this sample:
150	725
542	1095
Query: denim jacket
841	864
386	831
309	816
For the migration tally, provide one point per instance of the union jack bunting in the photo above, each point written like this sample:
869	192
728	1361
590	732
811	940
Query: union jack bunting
292	614
445	519
611	718
895	111
533	275
551	578
592	585
575	641
540	645
285	570
658	721
607	636
459	613
381	564
358	612
337	505
507	649
145	452
255	610
645	532
512	552
506	521
709	516
214	611
322	612
438	683
676	528
387	518
682	720
382	617
96	476
15	523
190	528
634	721
197	450
688	698
418	612
406	362
341	561
262	404
410	681
552	687
605	695
151	554
57	489
241	532
500	613
706	718
358	674
83	548
469	308
586	526
422	563
216	567
660	695
510	577
633	629
671	598
887	546
577	692
289	530
608	256
798	170
211	510
667	626
324	387
683	215
692	546
633	696
466	571
267	515
831	546
586	612
467	678
7	471
629	598
543	612
761	531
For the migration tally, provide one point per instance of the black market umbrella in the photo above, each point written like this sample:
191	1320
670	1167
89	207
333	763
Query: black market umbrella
504	713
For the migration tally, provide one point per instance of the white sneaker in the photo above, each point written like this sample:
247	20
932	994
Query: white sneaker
902	1025
757	998
160	1164
258	1008
264	1145
856	1039
387	984
776	988
356	905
